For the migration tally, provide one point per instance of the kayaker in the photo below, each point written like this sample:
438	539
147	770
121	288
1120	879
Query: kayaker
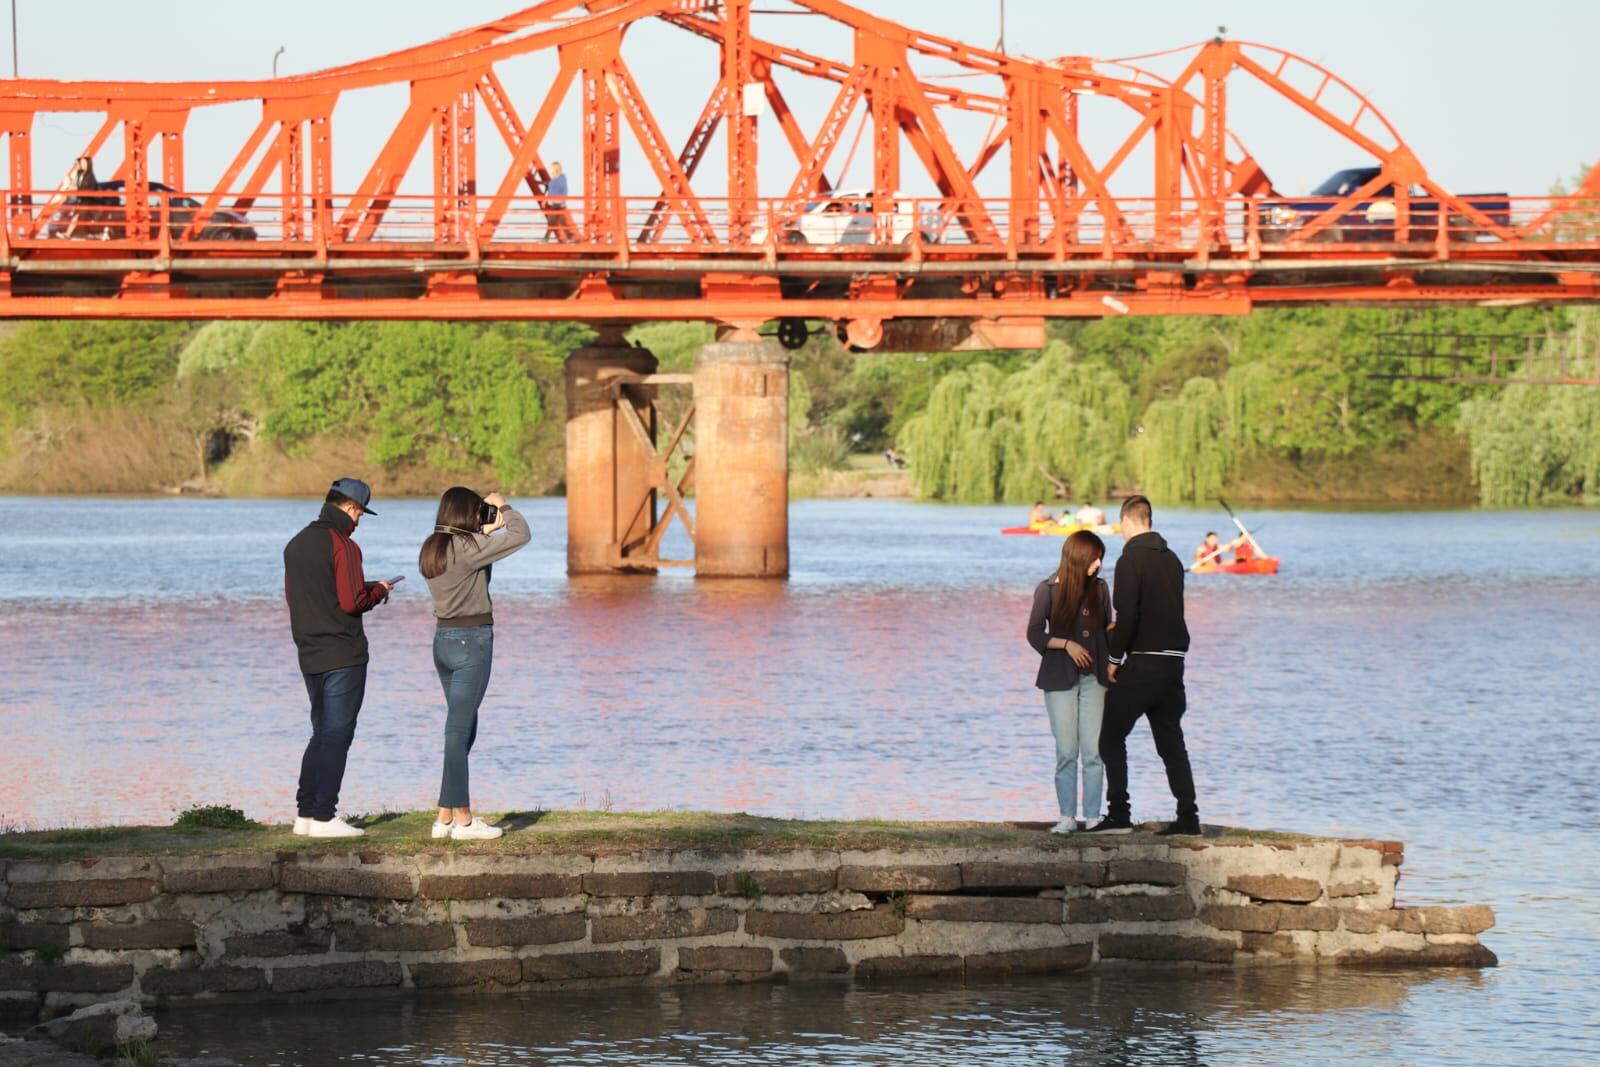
1039	516
1089	515
1242	551
1067	627
1210	551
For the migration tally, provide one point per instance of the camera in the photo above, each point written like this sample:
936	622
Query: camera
488	515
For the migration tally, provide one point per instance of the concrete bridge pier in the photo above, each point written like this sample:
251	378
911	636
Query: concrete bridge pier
609	469
741	463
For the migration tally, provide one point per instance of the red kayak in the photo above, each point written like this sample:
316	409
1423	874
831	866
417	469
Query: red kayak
1260	565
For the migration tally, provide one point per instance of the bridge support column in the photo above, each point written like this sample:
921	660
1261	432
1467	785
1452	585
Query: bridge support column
608	466
741	465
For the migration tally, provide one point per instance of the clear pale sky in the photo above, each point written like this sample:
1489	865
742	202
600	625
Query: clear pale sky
1489	94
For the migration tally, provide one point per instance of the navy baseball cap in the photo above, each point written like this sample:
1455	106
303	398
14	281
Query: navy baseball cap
356	490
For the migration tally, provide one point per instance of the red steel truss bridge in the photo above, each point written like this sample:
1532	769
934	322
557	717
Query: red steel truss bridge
956	239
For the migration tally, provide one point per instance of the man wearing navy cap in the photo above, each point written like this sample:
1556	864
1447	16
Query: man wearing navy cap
327	595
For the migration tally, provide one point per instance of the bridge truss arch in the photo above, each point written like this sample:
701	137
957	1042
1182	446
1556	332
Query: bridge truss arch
452	214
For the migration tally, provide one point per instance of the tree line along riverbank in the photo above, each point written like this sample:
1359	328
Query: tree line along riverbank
1279	406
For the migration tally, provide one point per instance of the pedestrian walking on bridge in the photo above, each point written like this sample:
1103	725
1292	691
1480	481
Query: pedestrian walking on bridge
556	225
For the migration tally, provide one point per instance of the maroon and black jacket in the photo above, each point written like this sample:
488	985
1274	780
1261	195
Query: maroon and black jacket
328	594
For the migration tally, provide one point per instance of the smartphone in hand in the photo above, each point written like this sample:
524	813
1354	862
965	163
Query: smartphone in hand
396	580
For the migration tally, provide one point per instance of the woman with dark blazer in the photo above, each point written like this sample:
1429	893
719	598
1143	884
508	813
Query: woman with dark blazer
1067	627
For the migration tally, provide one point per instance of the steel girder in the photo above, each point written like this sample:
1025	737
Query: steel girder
1059	240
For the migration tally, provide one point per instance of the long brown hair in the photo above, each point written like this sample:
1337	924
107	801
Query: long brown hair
458	510
1073	583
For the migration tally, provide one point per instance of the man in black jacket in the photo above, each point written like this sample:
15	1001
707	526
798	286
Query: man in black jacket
327	594
1148	647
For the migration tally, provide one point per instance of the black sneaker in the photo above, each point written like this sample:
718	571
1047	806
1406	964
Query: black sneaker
1184	826
1112	824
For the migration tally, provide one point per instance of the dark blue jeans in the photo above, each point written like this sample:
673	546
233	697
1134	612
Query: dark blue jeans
335	703
462	656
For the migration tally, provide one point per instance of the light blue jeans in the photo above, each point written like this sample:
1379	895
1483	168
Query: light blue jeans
1075	716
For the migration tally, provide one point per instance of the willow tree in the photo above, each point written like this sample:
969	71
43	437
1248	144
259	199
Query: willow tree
1069	422
986	435
1533	443
1246	394
1181	456
952	443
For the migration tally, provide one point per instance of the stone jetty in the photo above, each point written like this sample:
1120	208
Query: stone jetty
158	917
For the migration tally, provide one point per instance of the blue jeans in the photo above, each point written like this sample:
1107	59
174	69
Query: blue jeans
462	657
335	702
1075	716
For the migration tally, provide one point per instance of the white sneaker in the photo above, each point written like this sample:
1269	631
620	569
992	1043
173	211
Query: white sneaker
1065	826
440	829
476	830
302	825
335	827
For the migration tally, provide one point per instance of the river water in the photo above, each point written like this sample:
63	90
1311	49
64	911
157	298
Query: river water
1425	676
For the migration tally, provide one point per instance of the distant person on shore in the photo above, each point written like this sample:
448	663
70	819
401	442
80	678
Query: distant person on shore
1148	647
1210	550
327	594
457	560
1040	515
893	458
1067	627
1089	515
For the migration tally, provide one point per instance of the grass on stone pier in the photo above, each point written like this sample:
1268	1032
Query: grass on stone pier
566	832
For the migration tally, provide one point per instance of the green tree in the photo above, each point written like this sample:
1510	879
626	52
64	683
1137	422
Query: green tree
1534	443
987	435
67	362
427	392
217	347
1182	456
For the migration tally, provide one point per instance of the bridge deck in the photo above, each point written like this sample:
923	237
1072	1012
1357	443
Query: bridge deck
82	258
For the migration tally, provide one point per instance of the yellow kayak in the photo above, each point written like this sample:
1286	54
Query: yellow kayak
1058	529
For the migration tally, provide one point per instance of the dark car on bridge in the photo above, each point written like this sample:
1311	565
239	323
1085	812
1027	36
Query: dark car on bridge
1375	217
102	213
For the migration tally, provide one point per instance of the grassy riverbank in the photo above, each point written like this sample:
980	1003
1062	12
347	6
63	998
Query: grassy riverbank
567	831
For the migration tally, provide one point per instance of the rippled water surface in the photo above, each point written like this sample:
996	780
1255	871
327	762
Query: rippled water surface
1423	676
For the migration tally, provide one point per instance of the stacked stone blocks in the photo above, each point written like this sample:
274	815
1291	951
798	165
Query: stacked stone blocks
290	924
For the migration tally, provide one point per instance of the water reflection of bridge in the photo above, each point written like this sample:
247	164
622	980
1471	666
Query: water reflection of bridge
982	209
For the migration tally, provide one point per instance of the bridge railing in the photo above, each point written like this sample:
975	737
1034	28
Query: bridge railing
774	229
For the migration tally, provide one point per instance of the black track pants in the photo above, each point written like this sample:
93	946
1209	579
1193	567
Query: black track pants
1151	686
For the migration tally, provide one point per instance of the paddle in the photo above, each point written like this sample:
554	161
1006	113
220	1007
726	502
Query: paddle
1247	536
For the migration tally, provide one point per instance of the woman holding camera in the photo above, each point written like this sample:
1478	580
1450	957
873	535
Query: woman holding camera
457	560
